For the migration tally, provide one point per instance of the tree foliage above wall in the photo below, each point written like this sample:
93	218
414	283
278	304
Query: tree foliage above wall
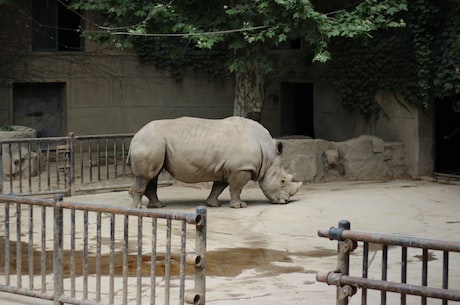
420	61
235	36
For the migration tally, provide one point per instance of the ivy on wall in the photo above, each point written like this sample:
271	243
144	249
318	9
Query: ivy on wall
420	61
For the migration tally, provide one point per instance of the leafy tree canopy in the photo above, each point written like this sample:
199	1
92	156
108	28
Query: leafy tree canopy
240	28
235	35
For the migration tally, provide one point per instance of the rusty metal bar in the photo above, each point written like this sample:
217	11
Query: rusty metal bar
403	272
168	261
190	218
18	247
29	165
333	278
383	294
30	247
85	254
389	239
343	262
139	261
112	262
200	250
58	252
183	254
445	272
153	262
43	250
7	243
125	259
98	256
365	272
424	271
72	253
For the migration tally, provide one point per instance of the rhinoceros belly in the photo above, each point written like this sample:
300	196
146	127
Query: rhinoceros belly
196	165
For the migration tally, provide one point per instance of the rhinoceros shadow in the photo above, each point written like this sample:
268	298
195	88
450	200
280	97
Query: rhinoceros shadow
224	203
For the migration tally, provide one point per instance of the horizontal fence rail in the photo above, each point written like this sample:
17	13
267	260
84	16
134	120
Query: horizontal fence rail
64	164
347	285
79	253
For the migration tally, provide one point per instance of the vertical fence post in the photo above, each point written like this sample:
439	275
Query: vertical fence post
1	168
343	263
58	252
200	250
72	163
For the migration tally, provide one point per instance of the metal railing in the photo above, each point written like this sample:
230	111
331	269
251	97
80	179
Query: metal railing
348	285
64	165
96	254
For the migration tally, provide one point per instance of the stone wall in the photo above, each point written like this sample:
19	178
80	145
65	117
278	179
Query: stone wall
364	157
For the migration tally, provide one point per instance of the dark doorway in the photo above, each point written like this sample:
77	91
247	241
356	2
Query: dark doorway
40	106
447	138
297	109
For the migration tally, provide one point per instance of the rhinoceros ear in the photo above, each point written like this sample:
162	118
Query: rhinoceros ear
279	147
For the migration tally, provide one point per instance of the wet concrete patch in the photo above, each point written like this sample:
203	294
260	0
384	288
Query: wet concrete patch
220	262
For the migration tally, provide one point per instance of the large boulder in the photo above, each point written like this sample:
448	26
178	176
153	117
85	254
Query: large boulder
364	157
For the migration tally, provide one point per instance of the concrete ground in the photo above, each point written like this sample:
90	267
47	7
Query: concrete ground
267	254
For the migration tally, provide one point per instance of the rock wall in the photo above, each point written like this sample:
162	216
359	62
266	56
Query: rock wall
364	157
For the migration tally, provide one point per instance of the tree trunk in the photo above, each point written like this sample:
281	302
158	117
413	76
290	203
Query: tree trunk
249	91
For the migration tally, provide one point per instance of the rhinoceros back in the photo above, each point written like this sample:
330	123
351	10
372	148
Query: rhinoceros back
198	150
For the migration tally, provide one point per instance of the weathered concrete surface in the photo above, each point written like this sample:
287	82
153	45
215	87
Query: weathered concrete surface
364	157
18	162
275	250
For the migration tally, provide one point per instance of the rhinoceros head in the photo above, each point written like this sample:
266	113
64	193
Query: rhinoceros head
277	185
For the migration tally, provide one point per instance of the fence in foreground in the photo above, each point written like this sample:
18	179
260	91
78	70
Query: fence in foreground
64	165
348	285
94	254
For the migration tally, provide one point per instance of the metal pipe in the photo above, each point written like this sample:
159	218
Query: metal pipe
31	247
18	246
333	278
168	261
383	294
183	239
403	272
58	252
139	261
200	250
395	240
365	271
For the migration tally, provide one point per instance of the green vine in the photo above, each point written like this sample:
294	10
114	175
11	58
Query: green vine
178	56
419	61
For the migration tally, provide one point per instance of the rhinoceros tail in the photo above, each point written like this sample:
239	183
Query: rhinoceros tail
129	155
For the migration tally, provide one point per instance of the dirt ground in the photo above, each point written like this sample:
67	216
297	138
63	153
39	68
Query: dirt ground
267	254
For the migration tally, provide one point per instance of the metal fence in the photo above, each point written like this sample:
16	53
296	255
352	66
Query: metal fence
64	164
95	254
348	285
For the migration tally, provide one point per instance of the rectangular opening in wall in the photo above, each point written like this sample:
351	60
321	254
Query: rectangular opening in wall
55	27
297	109
40	106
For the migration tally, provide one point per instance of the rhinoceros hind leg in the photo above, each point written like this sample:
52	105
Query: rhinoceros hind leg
137	191
237	181
217	188
151	193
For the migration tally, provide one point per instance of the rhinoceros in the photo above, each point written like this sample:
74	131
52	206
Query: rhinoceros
228	152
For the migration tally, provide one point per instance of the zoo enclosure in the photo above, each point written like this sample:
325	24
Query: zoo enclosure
64	165
81	253
347	285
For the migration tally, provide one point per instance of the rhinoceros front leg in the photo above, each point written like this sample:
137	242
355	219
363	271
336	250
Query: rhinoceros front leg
237	181
217	188
151	193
